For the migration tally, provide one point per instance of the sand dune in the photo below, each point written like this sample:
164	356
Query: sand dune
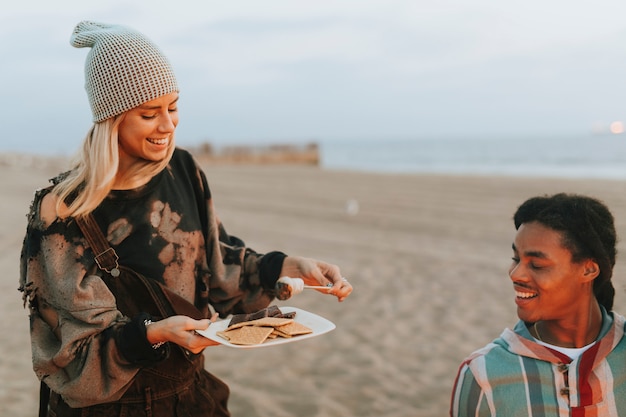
427	256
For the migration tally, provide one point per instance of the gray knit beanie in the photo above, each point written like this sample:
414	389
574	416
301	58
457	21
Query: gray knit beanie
123	70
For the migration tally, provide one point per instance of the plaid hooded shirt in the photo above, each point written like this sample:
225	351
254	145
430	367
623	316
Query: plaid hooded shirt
515	376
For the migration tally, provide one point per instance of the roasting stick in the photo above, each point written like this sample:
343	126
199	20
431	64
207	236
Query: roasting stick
316	287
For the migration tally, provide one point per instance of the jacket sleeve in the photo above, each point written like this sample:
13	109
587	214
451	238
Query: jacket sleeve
74	322
241	280
468	398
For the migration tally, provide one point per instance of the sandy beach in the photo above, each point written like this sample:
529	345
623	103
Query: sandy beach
427	255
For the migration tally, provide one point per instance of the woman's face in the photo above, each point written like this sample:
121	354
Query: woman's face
548	285
146	131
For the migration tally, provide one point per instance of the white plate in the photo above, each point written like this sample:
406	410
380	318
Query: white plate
318	324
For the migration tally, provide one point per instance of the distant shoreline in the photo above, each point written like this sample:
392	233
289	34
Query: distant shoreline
307	154
577	158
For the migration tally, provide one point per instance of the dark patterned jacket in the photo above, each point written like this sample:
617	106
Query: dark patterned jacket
167	230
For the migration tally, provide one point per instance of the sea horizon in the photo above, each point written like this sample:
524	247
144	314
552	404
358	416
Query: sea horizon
581	156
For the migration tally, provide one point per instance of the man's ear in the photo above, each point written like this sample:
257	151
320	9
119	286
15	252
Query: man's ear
591	270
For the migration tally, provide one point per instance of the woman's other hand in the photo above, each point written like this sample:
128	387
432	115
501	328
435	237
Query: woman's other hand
181	330
314	272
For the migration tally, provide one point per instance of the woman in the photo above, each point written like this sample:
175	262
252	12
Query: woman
567	354
153	204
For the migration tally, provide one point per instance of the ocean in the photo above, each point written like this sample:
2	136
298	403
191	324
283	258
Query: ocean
592	156
584	156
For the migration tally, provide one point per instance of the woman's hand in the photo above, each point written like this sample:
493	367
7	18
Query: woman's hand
182	331
314	272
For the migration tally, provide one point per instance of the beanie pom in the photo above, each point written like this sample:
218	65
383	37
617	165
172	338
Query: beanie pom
86	33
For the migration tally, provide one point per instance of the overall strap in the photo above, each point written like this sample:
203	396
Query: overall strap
104	254
44	399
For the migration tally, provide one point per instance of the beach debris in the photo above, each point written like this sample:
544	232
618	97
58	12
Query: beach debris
352	207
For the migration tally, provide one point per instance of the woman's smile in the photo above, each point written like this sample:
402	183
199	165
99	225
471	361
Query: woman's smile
160	142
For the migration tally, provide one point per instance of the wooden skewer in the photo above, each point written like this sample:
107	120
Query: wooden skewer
317	287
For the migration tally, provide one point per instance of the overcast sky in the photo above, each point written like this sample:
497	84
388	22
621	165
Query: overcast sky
280	71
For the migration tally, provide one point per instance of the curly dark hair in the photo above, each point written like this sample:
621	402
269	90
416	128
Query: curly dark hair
588	232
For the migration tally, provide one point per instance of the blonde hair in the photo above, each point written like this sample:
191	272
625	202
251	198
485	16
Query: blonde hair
94	171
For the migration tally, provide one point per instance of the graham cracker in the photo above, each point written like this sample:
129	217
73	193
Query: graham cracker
293	329
247	335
